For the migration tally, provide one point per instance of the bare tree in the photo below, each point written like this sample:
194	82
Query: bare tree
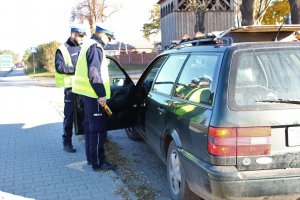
93	11
260	10
295	11
249	16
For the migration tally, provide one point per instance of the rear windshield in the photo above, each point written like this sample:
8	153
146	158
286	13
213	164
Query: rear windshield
265	79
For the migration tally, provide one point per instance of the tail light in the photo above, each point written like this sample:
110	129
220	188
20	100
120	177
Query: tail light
239	141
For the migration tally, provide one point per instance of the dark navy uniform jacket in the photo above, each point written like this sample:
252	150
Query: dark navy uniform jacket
94	61
60	64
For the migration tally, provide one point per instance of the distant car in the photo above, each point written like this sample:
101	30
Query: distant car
223	113
19	65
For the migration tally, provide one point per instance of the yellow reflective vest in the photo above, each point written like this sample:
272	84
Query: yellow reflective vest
81	84
64	80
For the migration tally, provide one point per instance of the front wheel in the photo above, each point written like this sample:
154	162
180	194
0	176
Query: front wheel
132	134
178	187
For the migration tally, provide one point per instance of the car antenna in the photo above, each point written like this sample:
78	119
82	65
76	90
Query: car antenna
275	38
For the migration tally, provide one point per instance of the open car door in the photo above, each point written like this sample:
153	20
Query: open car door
122	102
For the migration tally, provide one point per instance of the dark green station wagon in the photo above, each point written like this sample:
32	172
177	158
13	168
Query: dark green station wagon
223	113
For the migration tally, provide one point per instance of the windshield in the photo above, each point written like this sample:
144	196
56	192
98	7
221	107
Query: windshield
261	77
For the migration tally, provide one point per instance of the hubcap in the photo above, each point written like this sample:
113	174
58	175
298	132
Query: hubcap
174	172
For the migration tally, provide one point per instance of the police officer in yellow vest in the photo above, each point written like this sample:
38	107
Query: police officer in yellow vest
92	82
65	63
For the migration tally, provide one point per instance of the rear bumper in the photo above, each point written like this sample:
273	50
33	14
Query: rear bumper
225	182
280	188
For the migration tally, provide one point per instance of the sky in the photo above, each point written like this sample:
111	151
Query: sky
28	23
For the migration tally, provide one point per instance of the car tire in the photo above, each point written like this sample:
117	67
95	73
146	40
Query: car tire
132	134
178	187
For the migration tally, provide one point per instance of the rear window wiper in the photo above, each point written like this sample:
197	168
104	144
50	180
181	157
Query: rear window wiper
280	101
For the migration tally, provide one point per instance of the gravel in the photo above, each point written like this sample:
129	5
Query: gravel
147	170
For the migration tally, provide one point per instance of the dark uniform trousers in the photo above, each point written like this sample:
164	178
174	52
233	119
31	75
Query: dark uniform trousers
95	130
69	116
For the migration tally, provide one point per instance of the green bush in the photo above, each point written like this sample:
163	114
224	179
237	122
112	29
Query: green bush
44	56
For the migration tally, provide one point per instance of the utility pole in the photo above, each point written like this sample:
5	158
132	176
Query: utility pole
33	50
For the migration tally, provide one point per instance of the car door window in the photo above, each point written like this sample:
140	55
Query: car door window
154	68
196	79
168	74
116	76
150	73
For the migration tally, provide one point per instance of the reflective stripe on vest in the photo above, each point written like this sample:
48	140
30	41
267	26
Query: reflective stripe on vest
64	80
81	83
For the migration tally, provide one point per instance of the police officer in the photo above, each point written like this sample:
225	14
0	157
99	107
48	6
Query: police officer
92	81
65	63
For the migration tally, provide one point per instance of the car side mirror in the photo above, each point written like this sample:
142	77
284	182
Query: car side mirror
118	81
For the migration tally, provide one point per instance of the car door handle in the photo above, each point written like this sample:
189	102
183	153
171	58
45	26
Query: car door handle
161	110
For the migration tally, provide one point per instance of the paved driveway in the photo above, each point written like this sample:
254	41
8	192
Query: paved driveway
32	162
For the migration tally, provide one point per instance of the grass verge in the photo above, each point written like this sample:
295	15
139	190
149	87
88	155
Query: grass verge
38	72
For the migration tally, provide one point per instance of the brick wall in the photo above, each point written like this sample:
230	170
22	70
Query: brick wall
136	58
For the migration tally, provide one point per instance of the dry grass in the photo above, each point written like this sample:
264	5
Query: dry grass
134	181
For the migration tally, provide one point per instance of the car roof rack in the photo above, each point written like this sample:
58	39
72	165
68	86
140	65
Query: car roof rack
205	39
254	33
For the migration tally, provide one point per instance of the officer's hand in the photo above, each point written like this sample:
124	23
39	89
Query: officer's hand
102	101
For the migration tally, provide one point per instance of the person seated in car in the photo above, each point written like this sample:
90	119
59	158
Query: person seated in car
204	81
183	91
195	95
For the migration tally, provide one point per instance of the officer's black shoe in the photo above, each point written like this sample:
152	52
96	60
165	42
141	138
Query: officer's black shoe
88	162
69	148
106	166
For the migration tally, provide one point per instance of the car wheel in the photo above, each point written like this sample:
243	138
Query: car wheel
132	133
178	187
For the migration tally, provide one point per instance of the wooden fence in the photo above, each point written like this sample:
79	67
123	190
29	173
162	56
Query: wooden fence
178	23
